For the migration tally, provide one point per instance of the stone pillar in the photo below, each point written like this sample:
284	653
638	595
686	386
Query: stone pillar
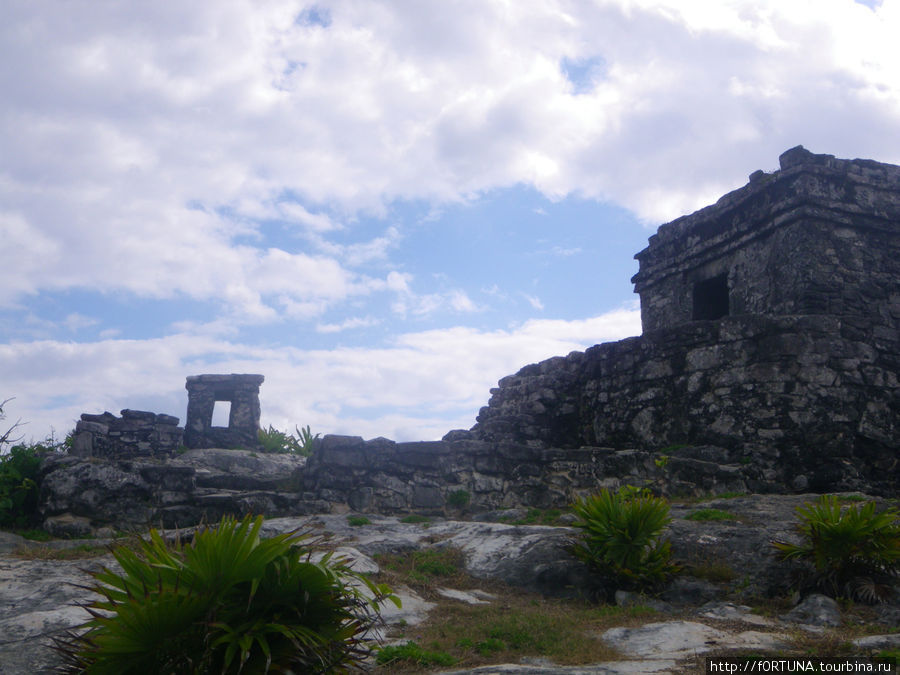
242	391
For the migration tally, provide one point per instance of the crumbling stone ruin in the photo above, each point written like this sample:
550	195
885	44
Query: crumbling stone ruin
770	358
769	362
135	434
145	434
242	391
771	332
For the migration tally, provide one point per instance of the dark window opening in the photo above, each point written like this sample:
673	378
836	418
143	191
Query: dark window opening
711	298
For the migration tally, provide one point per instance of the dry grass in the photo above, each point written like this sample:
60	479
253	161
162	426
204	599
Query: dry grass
77	552
515	624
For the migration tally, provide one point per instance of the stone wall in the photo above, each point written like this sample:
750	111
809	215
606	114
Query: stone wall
135	434
462	473
804	402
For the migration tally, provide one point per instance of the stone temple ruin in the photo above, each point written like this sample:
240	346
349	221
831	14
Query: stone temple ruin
769	362
242	391
146	434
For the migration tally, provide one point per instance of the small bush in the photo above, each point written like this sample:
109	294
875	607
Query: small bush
19	474
621	537
227	602
358	521
300	443
849	551
459	498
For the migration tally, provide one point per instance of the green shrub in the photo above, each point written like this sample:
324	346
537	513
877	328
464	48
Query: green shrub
621	537
358	521
19	474
227	602
275	441
459	498
849	551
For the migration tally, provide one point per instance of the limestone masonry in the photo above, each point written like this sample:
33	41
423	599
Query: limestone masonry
769	362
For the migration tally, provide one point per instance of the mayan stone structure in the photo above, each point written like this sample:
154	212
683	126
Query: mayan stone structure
771	339
242	392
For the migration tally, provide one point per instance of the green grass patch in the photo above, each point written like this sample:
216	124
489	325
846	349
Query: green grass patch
35	535
420	569
710	514
521	625
358	521
412	654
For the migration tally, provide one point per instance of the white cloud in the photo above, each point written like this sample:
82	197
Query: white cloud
124	118
534	301
355	322
418	387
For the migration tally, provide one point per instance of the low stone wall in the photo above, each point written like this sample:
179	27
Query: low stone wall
135	434
462	473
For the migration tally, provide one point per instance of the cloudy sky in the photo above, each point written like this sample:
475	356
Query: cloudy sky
383	206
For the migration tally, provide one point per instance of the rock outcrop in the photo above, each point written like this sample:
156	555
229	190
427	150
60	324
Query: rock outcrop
81	496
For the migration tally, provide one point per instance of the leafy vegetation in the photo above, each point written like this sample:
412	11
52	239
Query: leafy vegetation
621	537
358	521
19	476
227	602
849	550
301	442
459	498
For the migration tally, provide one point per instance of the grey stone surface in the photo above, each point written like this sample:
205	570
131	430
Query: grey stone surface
38	601
815	610
80	495
680	639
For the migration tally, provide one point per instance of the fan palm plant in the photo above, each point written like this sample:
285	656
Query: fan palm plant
621	537
228	602
847	550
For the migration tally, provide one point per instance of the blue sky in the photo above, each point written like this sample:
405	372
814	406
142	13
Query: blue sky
383	207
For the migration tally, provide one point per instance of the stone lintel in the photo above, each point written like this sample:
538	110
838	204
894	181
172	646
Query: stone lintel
234	379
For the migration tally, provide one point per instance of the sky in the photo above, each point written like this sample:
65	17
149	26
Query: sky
383	206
